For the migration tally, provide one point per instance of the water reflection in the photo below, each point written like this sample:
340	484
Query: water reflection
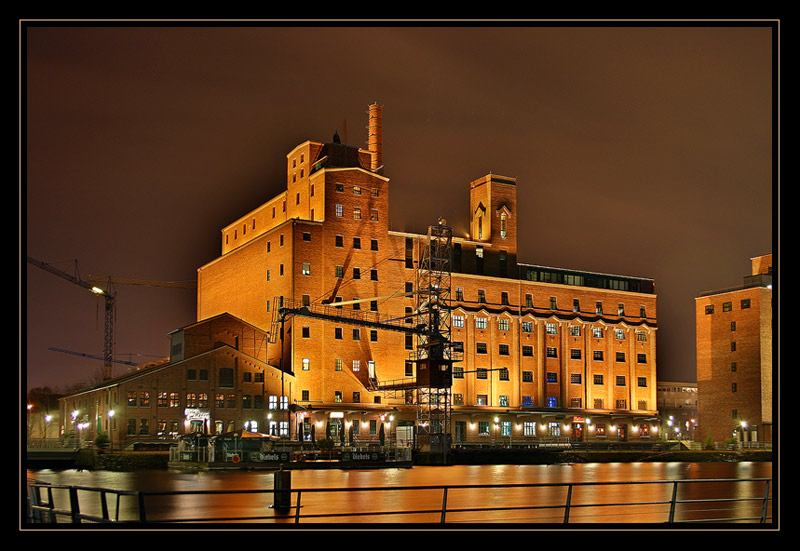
463	504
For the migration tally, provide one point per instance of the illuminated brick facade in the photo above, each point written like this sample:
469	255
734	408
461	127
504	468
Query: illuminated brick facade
547	352
734	358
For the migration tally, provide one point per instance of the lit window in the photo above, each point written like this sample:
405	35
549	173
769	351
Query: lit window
306	268
339	211
480	323
306	364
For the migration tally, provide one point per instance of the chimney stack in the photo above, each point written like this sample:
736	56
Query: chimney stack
376	135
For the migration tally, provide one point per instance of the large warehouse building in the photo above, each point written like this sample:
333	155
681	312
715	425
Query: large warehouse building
334	300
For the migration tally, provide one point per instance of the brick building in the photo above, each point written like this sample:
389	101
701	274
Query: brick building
547	352
216	380
734	358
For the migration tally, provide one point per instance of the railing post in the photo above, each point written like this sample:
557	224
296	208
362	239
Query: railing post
444	505
297	510
568	504
104	505
764	507
74	506
142	513
673	502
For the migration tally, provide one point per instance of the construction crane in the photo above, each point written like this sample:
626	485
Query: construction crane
107	294
93	284
54	349
434	355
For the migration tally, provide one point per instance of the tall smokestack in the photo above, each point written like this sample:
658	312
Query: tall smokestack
376	135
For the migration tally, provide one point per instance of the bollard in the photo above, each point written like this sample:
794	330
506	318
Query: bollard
282	490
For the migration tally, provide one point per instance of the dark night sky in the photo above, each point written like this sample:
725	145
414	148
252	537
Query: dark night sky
644	151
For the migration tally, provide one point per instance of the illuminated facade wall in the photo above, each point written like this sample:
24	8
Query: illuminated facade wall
216	381
543	347
734	358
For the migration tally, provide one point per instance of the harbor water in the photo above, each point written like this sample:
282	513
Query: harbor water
511	505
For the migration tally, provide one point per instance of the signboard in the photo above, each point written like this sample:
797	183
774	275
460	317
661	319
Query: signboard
273	456
363	456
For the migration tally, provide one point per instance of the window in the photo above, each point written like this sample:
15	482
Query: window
306	236
597	355
356	273
480	323
553	303
726	307
745	303
503	350
339	211
356	334
575	353
528	301
504	298
527	376
597	332
733	387
338	364
598	307
373	275
339	272
641	358
503	374
459	293
620	357
619	334
502	324
356	190
458	321
481	296
337	333
575	378
527	326
641	382
356	365
574	330
373	335
226	377
620	309
576	305
339	241
641	336
552	352
306	364
306	332
357	243
373	215
356	213
480	348
373	245
527	350
620	380
551	328
337	396
710	309
597	378
482	373
306	268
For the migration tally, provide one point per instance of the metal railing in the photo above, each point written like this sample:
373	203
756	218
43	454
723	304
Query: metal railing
728	508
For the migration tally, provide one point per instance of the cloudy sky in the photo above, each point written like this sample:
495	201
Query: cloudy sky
638	149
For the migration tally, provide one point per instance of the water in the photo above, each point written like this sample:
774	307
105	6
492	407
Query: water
514	503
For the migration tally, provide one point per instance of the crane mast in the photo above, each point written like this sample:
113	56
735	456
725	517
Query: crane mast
108	341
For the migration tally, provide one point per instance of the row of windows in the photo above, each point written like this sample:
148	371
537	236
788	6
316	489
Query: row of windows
339	210
728	306
552	429
358	190
339	365
551	402
553	305
551	377
552	352
503	324
202	375
201	400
